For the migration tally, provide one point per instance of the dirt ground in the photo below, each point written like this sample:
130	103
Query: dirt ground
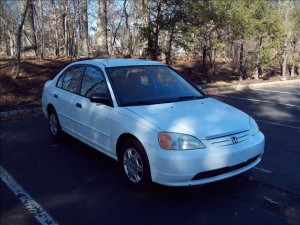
26	91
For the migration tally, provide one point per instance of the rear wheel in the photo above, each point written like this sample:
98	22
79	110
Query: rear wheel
54	125
135	165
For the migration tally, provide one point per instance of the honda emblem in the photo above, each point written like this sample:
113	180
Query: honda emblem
234	140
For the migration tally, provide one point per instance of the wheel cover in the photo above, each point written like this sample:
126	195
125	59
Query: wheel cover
53	123
133	165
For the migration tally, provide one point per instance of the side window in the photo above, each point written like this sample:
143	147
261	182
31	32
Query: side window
70	80
93	82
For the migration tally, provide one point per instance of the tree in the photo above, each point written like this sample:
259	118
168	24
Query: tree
268	32
172	19
56	26
203	27
152	31
258	25
250	36
16	67
294	37
8	27
101	41
41	46
163	27
285	6
124	23
84	29
65	17
241	25
29	44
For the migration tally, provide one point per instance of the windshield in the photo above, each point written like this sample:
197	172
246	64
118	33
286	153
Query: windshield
145	85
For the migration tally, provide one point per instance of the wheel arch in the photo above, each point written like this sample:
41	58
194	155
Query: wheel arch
49	107
121	140
147	177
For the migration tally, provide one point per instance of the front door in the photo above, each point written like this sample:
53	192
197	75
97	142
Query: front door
95	127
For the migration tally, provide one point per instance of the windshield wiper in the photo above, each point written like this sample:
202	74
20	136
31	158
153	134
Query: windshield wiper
185	98
138	103
160	101
180	99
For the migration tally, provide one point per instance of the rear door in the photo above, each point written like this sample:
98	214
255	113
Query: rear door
66	98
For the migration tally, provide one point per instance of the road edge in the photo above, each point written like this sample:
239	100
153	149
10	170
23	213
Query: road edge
238	87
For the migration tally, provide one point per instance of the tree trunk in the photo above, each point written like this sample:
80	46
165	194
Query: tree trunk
293	69
42	46
56	39
3	25
257	64
156	32
57	47
169	52
16	67
241	67
285	46
102	47
84	29
75	27
256	72
9	39
114	36
204	55
12	40
130	36
65	18
284	64
29	37
145	9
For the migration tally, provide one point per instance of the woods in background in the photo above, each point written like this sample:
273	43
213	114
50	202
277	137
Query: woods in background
250	36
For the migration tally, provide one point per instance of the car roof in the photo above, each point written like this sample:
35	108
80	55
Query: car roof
121	62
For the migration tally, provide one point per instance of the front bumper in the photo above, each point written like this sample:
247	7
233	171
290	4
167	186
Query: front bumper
196	167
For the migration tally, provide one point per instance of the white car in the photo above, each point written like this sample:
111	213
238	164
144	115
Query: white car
155	123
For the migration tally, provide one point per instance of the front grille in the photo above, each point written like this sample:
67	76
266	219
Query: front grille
224	170
230	139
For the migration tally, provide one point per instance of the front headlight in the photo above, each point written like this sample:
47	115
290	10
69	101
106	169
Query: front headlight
176	141
254	129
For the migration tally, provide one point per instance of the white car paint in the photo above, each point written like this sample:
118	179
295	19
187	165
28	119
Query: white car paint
200	118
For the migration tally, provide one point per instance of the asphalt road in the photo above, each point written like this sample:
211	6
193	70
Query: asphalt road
67	182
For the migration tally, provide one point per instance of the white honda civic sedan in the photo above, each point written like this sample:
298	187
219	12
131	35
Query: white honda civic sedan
155	123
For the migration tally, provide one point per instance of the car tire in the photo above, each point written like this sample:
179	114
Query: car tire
54	125
135	165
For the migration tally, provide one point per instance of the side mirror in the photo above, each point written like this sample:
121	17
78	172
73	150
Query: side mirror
100	98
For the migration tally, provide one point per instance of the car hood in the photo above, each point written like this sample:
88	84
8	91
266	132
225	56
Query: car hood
204	119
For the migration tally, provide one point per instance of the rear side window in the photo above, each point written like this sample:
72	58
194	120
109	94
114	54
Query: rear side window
70	80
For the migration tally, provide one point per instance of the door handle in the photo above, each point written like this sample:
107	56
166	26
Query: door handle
55	96
78	105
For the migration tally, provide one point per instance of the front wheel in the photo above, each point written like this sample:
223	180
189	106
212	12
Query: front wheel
135	165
